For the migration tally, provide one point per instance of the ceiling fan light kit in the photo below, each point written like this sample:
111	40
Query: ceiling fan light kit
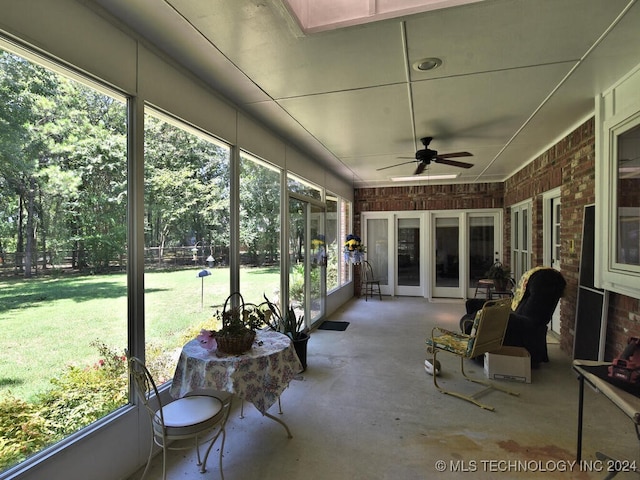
413	178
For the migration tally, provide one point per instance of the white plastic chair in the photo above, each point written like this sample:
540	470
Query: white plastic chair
196	416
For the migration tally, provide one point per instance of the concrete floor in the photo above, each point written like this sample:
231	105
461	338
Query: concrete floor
365	409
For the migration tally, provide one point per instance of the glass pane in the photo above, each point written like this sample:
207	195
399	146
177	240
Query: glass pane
377	248
186	236
298	185
447	252
318	260
556	234
259	230
481	247
333	247
408	254
63	256
525	229
628	200
297	253
345	228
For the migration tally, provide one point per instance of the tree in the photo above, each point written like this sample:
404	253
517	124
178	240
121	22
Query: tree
63	159
260	212
186	187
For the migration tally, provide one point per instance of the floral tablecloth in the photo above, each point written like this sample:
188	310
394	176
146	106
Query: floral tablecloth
258	376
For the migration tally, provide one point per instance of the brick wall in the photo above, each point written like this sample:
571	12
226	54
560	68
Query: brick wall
569	164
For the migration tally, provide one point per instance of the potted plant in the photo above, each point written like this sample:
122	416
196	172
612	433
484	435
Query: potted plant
291	325
239	324
501	276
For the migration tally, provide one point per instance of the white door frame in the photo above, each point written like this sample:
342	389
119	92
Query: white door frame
551	223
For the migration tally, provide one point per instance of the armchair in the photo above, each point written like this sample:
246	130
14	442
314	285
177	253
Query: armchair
534	301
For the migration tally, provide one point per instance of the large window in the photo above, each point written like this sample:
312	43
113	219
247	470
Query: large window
617	268
620	212
259	230
627	195
186	236
63	245
521	238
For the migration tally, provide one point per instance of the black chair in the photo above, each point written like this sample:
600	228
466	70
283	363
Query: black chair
535	299
369	282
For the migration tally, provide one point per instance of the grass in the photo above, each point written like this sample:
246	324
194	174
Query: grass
49	323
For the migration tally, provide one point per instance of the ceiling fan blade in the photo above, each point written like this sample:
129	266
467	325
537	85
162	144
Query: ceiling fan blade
455	154
396	165
420	168
453	163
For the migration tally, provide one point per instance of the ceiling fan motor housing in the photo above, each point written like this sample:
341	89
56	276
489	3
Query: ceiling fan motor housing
426	154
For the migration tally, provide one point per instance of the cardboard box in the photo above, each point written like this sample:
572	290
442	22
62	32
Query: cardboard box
508	363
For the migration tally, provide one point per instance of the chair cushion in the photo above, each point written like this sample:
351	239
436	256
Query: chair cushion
451	343
189	414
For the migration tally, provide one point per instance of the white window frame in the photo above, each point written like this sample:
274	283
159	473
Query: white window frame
617	277
517	234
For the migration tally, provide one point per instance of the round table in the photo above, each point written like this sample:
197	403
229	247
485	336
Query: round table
258	376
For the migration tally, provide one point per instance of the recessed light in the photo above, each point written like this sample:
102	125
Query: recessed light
427	64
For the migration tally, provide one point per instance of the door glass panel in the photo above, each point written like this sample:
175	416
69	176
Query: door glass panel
556	261
447	252
481	247
297	253
318	263
333	250
377	244
408	255
307	259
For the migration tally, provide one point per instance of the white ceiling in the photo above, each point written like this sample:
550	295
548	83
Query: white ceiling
516	76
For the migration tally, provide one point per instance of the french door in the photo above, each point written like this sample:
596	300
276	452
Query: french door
307	259
432	254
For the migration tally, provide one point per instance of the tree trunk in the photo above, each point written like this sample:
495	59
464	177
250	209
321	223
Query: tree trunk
28	258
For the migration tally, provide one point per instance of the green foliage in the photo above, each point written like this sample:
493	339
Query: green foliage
296	283
497	271
333	253
23	430
288	323
260	212
83	395
77	398
238	319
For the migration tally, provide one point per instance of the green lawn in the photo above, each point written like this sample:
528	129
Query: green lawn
48	323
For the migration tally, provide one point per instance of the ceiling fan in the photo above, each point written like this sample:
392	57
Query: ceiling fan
426	156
